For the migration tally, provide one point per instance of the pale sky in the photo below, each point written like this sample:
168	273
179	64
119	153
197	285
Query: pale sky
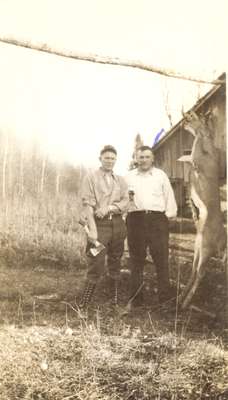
74	108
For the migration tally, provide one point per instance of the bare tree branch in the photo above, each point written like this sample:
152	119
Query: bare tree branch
165	92
104	60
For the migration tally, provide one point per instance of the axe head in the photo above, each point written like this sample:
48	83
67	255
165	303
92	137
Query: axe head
96	249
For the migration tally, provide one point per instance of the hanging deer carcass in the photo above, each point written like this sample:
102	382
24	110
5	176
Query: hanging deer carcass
204	200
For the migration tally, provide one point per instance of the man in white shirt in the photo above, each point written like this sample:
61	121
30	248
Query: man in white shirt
147	222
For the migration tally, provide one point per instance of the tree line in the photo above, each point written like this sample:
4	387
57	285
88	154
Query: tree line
27	171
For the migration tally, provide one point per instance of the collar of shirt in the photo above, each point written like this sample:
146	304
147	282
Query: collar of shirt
104	174
149	172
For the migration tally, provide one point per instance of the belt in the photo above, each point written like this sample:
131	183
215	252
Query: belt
108	217
143	212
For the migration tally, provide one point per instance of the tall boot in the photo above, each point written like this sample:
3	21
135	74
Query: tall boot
87	294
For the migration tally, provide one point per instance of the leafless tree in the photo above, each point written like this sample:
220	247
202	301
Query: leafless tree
166	94
4	164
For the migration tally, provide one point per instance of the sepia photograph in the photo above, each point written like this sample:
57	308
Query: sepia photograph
113	188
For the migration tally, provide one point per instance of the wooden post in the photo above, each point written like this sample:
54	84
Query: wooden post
104	60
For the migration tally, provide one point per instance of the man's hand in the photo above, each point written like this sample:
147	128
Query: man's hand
92	238
102	212
92	233
87	220
83	219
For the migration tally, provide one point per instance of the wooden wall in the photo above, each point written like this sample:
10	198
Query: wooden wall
167	154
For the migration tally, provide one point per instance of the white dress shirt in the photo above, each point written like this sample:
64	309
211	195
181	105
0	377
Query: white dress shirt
152	191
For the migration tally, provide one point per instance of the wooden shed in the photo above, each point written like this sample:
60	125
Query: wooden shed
178	141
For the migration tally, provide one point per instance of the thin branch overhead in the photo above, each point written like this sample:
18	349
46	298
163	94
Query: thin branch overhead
105	60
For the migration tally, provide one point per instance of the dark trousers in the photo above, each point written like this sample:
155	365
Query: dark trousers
111	233
149	230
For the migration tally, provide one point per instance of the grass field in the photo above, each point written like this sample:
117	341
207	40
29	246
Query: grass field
48	352
39	231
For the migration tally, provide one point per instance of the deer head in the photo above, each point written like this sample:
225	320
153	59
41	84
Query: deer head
204	155
192	123
198	125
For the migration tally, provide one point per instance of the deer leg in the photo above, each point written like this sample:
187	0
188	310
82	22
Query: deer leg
192	276
195	211
200	271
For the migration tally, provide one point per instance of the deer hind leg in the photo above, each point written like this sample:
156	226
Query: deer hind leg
194	210
199	269
192	276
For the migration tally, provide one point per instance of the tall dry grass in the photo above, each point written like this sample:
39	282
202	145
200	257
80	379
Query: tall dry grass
41	231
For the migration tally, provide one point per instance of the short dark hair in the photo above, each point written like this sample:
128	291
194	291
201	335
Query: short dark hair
107	148
143	148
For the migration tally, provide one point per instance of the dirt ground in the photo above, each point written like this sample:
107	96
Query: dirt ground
43	295
48	352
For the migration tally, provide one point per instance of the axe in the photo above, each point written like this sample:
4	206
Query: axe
95	247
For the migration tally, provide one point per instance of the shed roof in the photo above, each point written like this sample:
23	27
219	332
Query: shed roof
195	108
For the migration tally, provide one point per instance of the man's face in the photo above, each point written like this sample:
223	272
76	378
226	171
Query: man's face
108	160
145	159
